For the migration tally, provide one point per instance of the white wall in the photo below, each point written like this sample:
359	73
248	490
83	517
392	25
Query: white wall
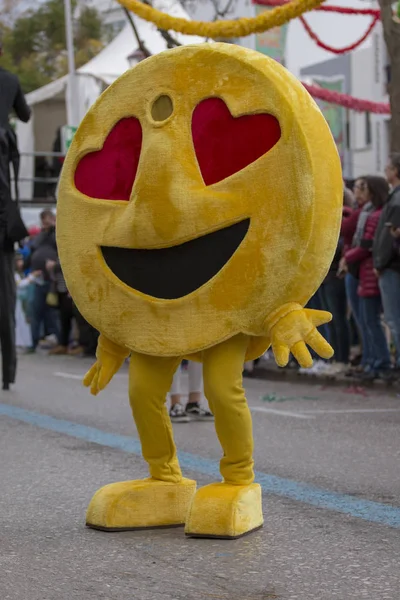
381	140
368	80
361	87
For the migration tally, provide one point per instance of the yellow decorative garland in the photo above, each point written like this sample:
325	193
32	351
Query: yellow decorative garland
226	29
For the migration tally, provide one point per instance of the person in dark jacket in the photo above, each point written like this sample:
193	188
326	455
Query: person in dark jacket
331	296
43	250
348	229
395	233
334	300
65	307
386	259
11	100
376	356
351	214
88	336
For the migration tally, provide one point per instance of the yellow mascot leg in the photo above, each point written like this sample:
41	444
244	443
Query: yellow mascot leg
162	500
232	508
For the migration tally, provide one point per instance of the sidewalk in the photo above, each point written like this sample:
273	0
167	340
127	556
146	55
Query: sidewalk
268	369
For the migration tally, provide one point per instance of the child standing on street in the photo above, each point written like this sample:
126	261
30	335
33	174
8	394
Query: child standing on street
193	410
23	308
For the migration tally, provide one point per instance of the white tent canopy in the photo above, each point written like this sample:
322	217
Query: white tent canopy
49	102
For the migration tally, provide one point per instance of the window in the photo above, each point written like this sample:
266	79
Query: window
377	54
348	140
368	130
378	147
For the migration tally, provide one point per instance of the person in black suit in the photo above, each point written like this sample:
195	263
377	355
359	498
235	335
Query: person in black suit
11	100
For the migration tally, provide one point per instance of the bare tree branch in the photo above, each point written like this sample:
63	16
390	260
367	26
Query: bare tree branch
227	8
221	13
391	33
141	44
387	21
172	42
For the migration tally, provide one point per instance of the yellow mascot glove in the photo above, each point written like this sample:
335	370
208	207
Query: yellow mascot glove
110	358
291	327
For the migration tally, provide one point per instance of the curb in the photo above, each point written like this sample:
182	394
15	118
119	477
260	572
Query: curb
291	375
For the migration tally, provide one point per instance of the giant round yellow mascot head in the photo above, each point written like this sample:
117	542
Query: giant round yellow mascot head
201	192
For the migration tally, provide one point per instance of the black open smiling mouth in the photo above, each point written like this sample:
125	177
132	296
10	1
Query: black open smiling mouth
170	273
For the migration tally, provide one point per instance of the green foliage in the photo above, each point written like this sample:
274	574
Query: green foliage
89	26
34	46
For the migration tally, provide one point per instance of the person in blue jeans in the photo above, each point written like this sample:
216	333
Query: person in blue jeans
44	317
350	273
43	250
386	257
334	300
376	356
351	284
320	366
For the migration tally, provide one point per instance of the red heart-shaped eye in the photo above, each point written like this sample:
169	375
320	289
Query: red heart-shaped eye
224	144
109	173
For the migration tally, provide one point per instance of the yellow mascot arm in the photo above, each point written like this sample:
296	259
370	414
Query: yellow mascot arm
291	327
110	358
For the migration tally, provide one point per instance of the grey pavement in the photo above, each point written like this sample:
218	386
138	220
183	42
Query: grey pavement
336	441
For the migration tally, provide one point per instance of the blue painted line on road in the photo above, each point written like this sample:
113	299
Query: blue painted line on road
373	512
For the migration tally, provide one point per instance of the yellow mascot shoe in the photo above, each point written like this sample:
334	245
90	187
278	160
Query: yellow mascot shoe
140	504
225	511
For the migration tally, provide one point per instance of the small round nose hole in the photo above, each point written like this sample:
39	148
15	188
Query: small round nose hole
162	108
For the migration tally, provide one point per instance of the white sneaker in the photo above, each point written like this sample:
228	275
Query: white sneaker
314	370
338	368
330	370
303	371
178	414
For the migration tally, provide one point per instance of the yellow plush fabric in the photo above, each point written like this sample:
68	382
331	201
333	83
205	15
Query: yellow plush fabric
291	328
225	511
150	379
110	358
291	197
290	194
140	504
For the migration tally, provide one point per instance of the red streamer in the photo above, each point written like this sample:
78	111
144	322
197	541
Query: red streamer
344	10
337	9
343	50
379	108
356	104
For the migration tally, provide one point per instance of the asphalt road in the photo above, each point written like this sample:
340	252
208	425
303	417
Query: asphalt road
328	462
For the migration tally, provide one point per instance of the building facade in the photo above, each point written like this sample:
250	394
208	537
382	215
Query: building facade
363	74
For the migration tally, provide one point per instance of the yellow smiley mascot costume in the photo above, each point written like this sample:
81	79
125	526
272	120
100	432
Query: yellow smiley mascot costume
199	210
